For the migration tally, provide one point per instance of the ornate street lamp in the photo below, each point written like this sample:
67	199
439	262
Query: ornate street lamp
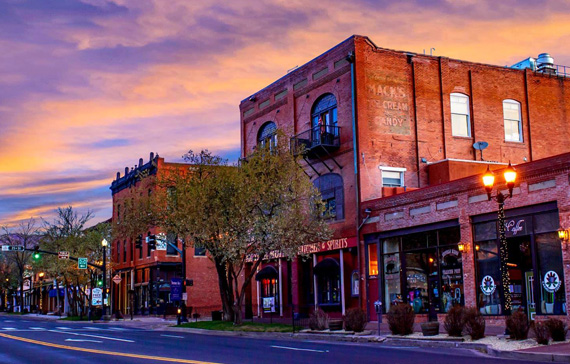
104	244
510	176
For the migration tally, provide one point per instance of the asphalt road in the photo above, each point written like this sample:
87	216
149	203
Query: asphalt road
25	340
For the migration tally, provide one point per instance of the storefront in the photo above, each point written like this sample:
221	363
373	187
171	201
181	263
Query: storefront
325	275
421	266
535	264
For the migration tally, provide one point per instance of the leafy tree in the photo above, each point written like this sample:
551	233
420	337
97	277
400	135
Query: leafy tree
26	235
241	214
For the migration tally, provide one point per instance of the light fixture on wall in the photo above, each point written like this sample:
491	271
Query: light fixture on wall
564	235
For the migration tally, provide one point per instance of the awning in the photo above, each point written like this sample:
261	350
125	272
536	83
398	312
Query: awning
327	266
269	272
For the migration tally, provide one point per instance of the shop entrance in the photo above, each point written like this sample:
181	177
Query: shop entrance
521	274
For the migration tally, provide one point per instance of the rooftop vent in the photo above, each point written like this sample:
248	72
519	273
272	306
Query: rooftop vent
545	64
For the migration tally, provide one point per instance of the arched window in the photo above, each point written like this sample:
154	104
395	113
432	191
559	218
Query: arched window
460	120
267	135
324	116
512	120
332	193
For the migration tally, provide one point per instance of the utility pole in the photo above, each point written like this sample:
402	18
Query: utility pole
104	244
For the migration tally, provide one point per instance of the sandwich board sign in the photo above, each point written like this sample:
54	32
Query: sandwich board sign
97	298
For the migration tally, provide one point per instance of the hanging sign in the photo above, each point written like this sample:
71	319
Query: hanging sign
488	286
551	281
117	279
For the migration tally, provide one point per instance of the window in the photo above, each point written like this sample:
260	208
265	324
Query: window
392	177
125	251
460	122
148	245
512	120
372	260
118	250
132	250
324	118
551	272
332	193
199	251
329	288
171	239
118	214
267	135
354	284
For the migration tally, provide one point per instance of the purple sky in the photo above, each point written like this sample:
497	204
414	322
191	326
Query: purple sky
88	87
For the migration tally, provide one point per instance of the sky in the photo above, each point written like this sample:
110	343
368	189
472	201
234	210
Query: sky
89	87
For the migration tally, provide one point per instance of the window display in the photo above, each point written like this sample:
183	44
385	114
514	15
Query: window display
550	270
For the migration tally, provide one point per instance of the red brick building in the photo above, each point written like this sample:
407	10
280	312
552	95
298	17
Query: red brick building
145	273
376	122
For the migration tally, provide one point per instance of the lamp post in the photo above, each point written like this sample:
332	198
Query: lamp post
104	243
41	277
510	176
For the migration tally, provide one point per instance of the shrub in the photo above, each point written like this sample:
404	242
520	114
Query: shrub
557	329
319	320
474	323
355	320
517	324
454	321
541	332
401	319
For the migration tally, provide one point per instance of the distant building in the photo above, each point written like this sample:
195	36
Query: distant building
376	124
146	274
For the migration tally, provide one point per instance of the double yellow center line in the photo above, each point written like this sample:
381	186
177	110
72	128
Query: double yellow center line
104	352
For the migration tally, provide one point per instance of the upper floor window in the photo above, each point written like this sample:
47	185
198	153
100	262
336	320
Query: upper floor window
512	120
118	250
460	121
392	177
199	251
267	135
324	118
172	239
125	251
118	213
332	193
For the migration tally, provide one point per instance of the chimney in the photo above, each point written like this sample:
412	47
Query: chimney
140	162
126	170
151	156
118	175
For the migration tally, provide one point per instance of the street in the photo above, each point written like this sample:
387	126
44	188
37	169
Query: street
27	340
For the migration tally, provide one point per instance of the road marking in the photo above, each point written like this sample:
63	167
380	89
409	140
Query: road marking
95	336
104	352
298	349
63	328
84	340
176	336
9	321
37	328
10	328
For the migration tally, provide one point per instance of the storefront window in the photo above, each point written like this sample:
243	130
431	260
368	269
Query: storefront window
488	278
418	270
329	288
551	273
392	291
372	260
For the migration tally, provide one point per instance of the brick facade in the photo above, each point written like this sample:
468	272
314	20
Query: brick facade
150	272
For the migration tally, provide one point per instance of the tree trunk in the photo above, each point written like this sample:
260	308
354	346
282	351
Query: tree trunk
22	294
226	293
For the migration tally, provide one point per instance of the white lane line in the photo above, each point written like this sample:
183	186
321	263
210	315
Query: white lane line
176	336
9	321
116	329
10	328
298	349
95	336
84	340
63	328
37	328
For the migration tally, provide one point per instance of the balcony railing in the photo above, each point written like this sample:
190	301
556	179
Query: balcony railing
317	140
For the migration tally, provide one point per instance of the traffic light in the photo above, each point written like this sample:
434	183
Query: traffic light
138	242
36	255
99	281
151	241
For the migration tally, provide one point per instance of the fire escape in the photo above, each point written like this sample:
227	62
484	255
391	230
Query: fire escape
317	143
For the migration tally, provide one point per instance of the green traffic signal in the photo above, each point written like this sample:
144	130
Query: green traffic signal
99	283
37	256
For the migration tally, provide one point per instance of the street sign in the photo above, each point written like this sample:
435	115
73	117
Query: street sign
176	289
161	241
97	298
12	248
81	263
63	255
117	279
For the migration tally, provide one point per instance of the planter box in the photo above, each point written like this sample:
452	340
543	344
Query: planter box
430	328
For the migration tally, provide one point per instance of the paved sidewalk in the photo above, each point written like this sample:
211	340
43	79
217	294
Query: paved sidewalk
563	348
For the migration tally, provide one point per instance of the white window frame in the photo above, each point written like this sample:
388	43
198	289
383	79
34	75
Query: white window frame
468	114
393	169
508	138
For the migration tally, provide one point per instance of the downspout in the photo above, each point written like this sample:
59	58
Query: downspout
527	115
411	62
351	59
442	109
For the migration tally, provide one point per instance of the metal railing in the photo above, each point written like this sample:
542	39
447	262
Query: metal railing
555	70
327	136
299	321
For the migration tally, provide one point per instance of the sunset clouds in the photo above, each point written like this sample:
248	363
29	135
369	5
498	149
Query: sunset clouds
88	87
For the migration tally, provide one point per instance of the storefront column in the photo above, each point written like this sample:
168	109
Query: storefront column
258	298
280	290
315	281
342	301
